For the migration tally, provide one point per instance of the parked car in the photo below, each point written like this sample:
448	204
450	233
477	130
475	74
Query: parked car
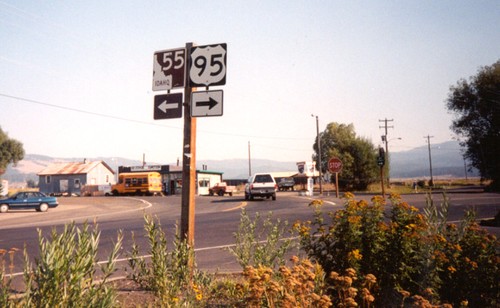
28	200
96	190
286	184
221	188
261	185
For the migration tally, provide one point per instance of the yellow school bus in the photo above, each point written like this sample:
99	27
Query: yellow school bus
137	183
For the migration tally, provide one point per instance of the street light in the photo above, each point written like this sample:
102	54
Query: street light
319	154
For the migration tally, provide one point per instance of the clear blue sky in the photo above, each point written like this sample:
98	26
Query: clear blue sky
82	71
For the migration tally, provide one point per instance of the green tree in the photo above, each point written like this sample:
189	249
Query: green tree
358	155
30	183
11	151
476	106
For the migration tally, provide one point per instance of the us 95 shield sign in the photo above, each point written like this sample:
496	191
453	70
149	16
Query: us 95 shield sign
208	65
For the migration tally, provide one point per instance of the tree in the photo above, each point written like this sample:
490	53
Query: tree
31	183
476	105
358	155
11	151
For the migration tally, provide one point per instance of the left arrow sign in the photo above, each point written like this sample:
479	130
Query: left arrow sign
168	106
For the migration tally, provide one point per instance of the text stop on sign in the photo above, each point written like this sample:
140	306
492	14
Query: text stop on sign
334	165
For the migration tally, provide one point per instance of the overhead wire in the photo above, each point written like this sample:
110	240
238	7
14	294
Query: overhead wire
139	121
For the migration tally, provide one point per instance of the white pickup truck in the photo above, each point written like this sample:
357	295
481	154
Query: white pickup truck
261	185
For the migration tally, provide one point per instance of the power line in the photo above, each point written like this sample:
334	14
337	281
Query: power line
27	100
83	111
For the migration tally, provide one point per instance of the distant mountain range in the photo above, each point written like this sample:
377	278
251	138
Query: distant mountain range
447	161
446	158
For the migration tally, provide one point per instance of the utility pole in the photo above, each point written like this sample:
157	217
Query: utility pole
249	161
431	183
386	140
188	167
319	155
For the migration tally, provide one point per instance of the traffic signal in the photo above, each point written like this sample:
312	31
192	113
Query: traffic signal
381	157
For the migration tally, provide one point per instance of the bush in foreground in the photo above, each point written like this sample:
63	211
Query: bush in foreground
64	274
410	253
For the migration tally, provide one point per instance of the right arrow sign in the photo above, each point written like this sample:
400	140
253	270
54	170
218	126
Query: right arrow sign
206	103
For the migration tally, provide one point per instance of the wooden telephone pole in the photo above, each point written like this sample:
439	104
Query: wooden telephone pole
188	166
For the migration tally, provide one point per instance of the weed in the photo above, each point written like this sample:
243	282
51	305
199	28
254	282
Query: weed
5	282
260	242
64	273
168	274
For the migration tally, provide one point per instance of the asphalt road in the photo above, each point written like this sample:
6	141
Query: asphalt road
216	220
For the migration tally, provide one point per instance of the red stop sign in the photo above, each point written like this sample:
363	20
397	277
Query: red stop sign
334	165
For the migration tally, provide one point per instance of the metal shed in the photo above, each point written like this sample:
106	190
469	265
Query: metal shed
69	178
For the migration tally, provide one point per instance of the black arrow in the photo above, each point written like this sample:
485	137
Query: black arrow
211	103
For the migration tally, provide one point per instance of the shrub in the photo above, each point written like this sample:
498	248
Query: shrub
5	282
64	275
409	252
168	275
305	284
469	265
260	242
302	285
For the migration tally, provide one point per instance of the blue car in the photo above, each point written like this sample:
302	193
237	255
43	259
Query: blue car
28	200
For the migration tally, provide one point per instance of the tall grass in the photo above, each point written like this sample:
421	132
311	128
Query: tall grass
261	242
168	274
64	273
6	280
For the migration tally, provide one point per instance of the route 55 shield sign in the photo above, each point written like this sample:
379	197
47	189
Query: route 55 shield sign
208	65
169	69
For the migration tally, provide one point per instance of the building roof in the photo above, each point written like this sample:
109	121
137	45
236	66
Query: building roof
73	168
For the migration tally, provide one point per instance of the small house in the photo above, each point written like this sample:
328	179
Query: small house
69	178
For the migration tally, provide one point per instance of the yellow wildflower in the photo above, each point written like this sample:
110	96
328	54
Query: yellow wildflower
378	200
316	203
371	279
355	255
354	219
334	275
348	195
404	293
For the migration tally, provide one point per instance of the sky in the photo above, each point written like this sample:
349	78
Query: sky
76	76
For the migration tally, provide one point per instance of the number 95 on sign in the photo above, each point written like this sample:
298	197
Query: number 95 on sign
208	65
